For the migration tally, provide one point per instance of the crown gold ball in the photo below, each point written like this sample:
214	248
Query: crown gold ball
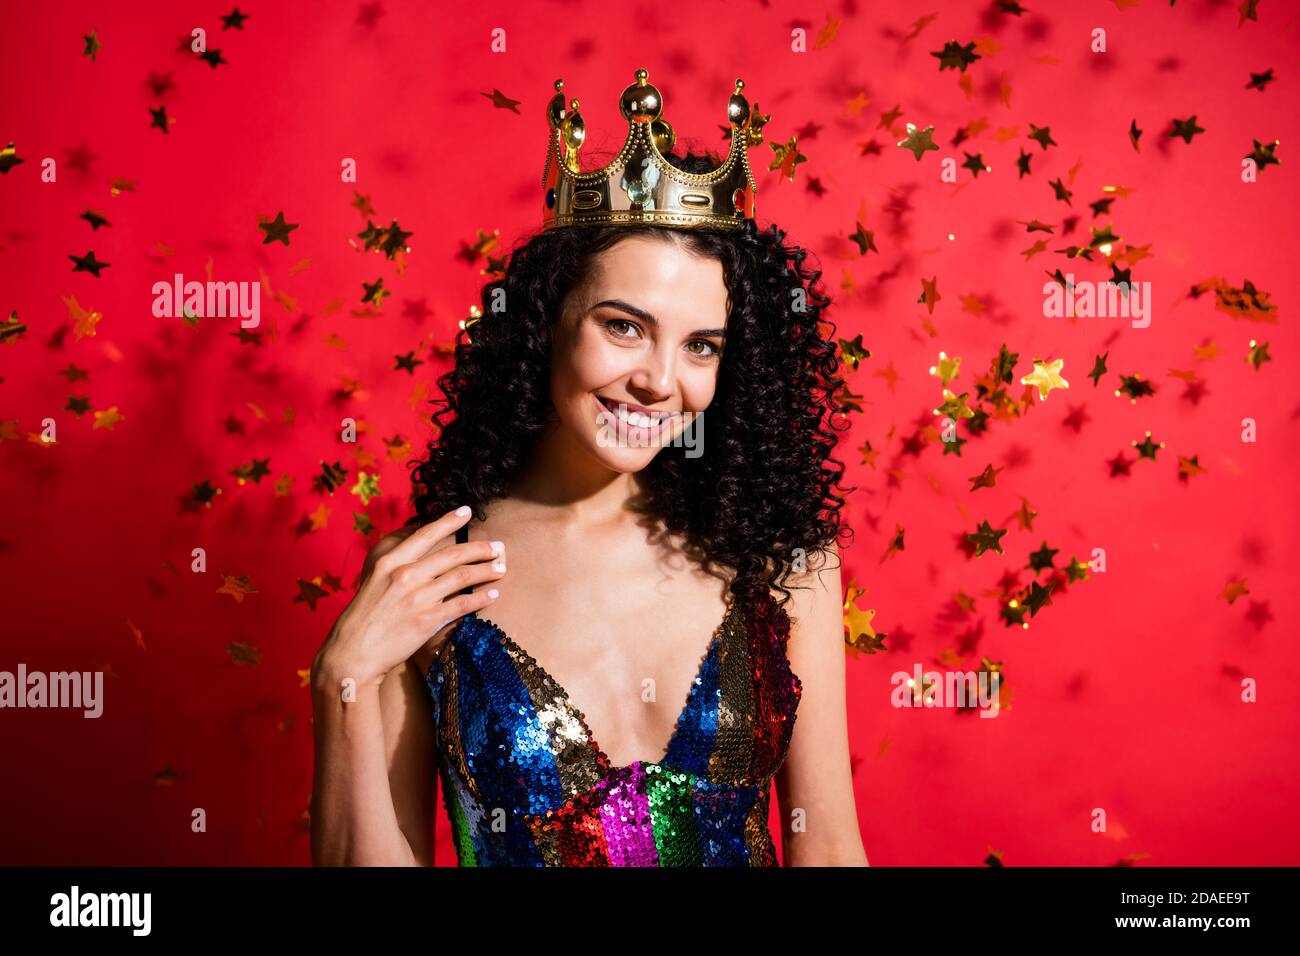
640	186
555	109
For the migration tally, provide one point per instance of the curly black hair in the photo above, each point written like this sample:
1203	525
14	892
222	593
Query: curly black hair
764	492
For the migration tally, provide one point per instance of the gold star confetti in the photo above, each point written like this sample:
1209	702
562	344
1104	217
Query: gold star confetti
237	587
930	293
309	592
1258	354
786	157
108	418
859	634
244	654
1045	377
277	230
1234	589
986	538
367	487
945	368
9	159
92	45
954	406
919	141
853	352
11	330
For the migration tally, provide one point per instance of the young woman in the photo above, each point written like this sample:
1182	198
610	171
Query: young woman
663	597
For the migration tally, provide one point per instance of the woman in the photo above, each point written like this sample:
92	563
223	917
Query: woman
572	430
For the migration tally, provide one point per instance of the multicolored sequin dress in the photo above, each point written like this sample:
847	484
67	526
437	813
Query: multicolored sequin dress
526	784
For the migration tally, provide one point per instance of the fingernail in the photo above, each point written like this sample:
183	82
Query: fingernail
498	547
499	566
493	593
463	510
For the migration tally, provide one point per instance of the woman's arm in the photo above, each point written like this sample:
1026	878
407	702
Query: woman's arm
372	800
814	787
373	791
373	796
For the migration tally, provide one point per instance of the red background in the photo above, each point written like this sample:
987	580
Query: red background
1124	691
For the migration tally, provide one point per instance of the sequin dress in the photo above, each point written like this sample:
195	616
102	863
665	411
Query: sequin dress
526	784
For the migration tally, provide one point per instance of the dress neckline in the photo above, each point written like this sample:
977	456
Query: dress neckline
603	760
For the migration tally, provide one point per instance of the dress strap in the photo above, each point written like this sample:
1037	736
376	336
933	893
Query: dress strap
462	537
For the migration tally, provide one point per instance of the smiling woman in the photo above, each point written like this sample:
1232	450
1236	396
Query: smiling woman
624	556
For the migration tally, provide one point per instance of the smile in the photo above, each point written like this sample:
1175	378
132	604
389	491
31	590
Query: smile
634	417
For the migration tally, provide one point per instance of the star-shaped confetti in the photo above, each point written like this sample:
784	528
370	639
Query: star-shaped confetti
1046	377
502	102
985	479
975	163
11	329
83	320
92	45
95	218
865	240
930	293
374	291
1263	155
277	230
919	141
853	352
955	56
1147	448
9	159
1185	128
1258	354
1260	80
88	263
237	587
945	368
367	487
160	119
108	419
786	158
985	538
1042	136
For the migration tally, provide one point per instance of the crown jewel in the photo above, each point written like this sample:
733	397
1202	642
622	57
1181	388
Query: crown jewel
639	186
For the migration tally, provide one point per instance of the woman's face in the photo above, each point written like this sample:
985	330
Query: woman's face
637	351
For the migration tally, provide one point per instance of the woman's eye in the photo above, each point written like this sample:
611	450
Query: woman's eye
614	325
712	349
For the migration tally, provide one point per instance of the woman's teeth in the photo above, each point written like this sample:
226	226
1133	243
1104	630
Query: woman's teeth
636	419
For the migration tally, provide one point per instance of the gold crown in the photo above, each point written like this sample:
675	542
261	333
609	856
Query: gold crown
639	186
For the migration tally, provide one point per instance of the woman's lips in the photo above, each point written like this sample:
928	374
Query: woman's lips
638	424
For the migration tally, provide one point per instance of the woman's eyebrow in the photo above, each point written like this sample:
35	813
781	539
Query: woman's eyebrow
649	319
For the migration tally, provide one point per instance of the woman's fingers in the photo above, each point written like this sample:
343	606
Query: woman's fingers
446	587
417	544
440	562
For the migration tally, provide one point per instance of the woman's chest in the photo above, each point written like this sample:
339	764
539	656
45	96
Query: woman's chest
516	733
623	635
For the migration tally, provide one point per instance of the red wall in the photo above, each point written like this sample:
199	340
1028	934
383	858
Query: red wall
1125	692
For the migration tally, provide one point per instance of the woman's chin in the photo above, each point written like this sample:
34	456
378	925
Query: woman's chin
624	458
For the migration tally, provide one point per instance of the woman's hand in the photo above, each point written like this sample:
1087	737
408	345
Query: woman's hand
411	594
